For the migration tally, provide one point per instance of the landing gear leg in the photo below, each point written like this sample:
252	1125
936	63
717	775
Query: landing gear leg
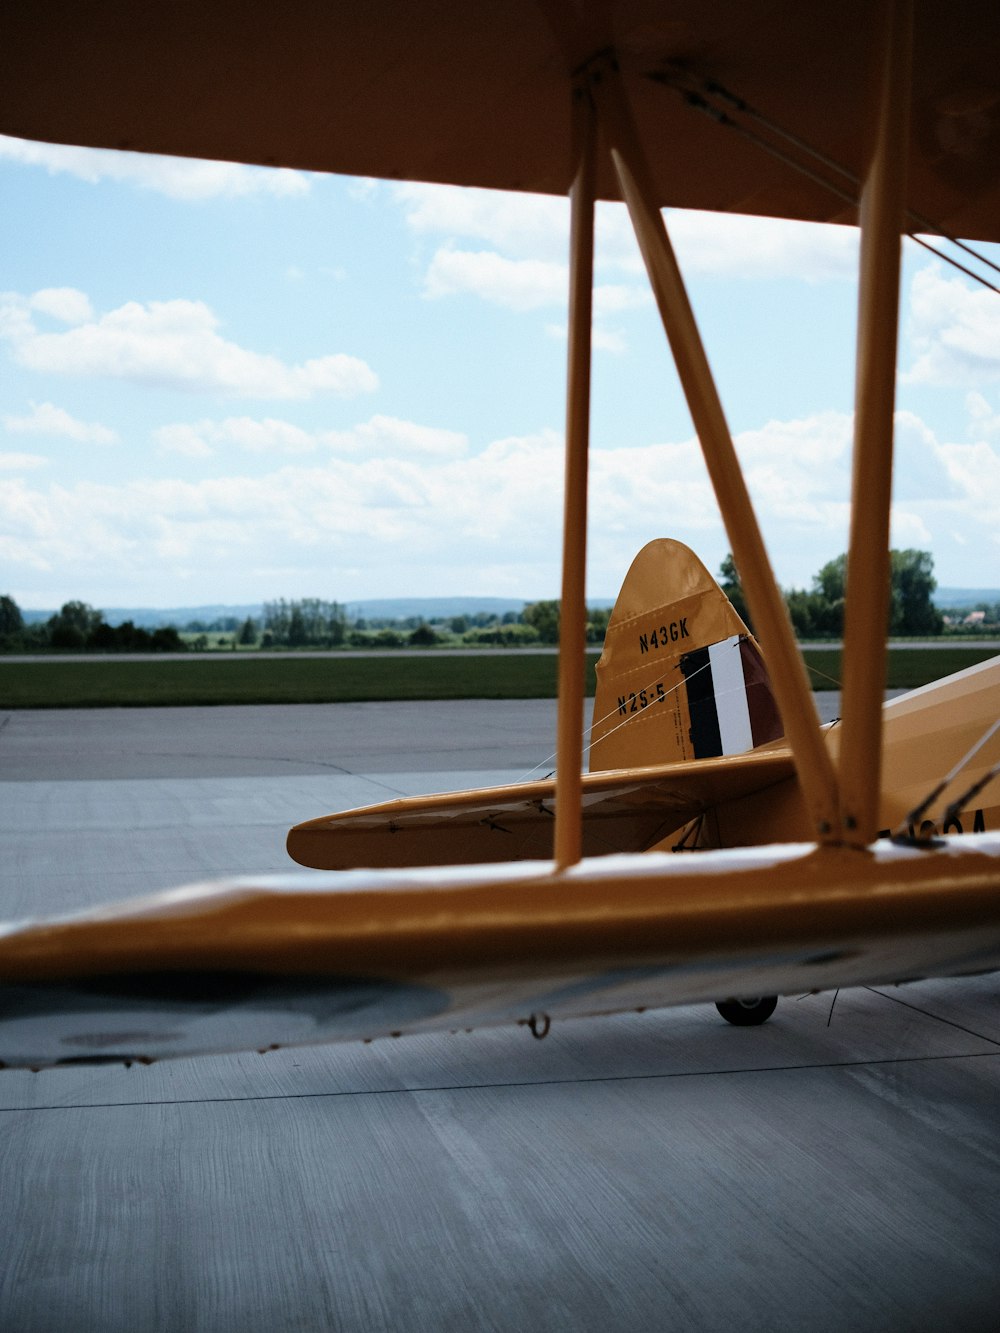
748	1013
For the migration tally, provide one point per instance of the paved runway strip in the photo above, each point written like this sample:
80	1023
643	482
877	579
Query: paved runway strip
639	1172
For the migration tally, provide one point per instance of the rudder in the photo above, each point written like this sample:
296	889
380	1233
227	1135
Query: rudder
681	676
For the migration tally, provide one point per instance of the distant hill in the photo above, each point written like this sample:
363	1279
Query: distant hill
152	617
403	608
431	608
958	597
375	608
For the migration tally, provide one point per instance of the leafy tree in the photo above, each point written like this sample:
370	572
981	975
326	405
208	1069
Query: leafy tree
73	625
248	632
820	612
14	635
597	623
11	620
543	617
506	636
423	637
729	582
913	583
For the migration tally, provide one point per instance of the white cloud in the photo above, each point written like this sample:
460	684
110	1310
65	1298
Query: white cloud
520	284
381	437
983	419
177	177
46	419
173	344
11	462
522	225
394	507
537	227
63	303
185	440
268	436
602	339
724	245
955	331
517	284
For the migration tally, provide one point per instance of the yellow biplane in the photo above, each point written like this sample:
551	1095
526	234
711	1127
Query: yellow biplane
574	897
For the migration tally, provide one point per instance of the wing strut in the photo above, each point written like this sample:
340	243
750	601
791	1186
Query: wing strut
572	638
839	810
791	687
867	595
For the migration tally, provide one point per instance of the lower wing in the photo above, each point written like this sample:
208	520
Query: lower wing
314	958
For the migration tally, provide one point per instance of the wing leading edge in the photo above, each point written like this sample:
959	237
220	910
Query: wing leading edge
300	959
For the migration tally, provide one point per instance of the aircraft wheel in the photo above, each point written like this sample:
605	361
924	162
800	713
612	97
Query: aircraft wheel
748	1013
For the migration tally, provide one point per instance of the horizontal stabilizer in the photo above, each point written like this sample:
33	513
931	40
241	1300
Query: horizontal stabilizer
622	811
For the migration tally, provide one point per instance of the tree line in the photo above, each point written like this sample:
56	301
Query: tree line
816	613
77	626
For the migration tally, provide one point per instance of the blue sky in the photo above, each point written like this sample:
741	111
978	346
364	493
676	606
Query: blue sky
222	384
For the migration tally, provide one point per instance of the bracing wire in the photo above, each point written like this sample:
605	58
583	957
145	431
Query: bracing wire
589	731
916	815
650	686
697	92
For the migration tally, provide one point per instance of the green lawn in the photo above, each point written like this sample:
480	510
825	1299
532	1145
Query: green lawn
908	667
248	680
244	679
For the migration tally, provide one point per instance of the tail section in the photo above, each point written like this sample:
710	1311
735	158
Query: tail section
681	677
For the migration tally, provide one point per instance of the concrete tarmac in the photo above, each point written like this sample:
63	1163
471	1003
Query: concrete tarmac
837	1168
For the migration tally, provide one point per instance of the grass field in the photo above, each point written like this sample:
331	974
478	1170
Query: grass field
289	679
89	683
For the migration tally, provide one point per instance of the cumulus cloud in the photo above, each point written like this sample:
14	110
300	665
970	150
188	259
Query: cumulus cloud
63	303
384	435
723	245
381	436
537	227
983	418
525	267
11	462
173	344
521	225
47	419
177	177
394	507
955	331
518	284
201	439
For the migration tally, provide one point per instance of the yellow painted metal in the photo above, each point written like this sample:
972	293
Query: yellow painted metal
669	606
624	810
767	605
791	917
867	598
926	734
572	620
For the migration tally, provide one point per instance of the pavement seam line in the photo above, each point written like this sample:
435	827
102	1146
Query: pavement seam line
487	1087
927	1014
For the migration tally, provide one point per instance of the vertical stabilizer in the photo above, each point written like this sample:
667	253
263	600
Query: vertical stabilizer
681	676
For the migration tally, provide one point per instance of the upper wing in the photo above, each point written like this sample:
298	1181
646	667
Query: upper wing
257	964
478	94
623	810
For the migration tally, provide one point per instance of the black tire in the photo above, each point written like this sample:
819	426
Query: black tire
748	1013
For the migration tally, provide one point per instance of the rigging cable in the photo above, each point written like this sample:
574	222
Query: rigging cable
698	96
